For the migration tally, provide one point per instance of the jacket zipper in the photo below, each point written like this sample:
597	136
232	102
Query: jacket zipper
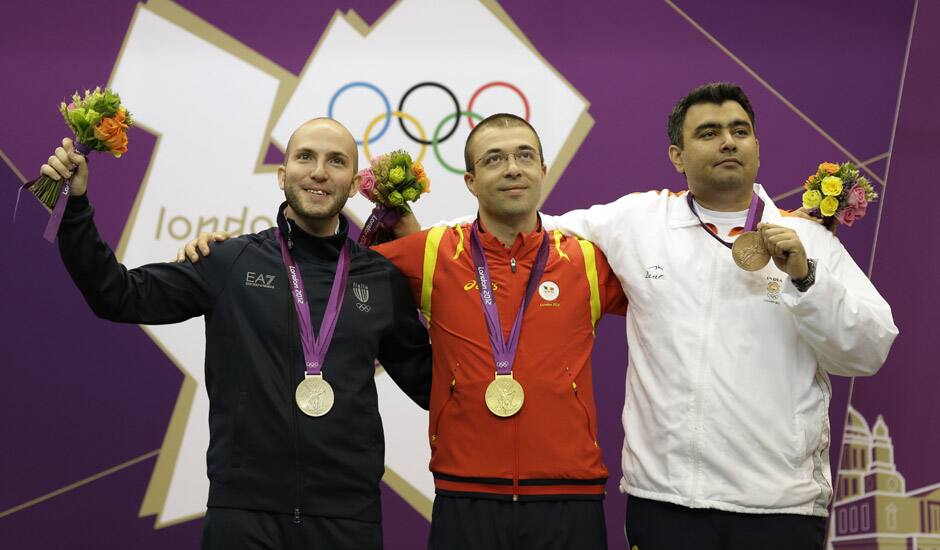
697	427
591	432
295	429
440	413
515	469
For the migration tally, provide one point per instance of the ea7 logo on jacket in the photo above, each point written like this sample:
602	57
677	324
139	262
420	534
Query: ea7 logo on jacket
259	279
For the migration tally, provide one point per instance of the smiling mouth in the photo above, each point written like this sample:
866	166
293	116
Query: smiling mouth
319	192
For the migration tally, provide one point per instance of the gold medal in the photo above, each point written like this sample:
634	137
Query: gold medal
749	253
314	395
504	396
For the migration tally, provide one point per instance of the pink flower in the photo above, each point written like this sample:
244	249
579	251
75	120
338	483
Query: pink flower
71	106
846	216
856	197
367	183
851	214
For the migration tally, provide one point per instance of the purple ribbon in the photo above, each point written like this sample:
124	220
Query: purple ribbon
315	348
754	214
504	352
55	218
380	217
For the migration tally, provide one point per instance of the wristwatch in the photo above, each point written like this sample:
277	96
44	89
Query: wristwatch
803	284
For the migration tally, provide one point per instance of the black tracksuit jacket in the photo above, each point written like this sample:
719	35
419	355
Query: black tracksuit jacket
264	453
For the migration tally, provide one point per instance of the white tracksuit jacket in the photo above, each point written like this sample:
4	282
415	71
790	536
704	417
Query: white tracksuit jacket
728	391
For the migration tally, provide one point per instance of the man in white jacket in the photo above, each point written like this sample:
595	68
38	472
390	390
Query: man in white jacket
727	395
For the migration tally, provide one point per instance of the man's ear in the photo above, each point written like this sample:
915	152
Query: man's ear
758	151
281	174
354	188
470	180
675	157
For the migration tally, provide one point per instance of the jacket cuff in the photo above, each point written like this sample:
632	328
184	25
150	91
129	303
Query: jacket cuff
77	208
792	296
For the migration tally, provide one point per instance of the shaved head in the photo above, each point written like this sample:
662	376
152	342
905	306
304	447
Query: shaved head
344	139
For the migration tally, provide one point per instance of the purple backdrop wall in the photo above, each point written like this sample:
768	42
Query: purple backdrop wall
94	395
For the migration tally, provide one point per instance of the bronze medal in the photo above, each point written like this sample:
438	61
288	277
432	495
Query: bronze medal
504	396
749	253
314	395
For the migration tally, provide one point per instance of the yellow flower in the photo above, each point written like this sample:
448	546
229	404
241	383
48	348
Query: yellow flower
831	186
811	198
828	206
397	175
829	168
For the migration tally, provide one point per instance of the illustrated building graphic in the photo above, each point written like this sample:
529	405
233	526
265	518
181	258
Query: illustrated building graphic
872	509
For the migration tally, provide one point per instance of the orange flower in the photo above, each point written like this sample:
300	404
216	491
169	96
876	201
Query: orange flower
112	131
418	169
829	168
425	184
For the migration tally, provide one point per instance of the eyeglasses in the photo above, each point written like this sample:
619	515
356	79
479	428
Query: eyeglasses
498	159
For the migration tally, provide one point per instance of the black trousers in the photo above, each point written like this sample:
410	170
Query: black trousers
459	523
234	529
654	525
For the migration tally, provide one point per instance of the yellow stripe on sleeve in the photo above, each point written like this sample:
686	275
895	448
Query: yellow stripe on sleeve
431	246
590	268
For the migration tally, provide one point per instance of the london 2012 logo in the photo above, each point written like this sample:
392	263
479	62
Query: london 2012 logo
422	92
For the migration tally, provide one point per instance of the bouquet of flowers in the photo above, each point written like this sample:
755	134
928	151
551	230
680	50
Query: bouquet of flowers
391	182
838	194
99	122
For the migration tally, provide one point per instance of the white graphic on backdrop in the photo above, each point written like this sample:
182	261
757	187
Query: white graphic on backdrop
461	58
210	109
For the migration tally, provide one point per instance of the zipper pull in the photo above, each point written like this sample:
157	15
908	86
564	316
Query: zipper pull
512	264
297	515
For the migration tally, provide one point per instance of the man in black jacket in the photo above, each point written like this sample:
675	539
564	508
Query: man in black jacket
296	446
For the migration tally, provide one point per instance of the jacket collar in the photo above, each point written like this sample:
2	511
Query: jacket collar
303	244
523	245
681	216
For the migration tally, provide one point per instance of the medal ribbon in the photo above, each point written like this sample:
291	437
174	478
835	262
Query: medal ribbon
315	348
504	352
55	217
754	214
381	217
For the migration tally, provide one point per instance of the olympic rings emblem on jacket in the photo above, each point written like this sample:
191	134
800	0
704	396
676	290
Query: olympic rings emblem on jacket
422	138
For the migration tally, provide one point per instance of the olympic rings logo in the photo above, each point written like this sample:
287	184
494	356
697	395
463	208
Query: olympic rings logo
402	116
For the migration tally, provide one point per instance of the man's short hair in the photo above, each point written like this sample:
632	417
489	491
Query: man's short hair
505	120
713	92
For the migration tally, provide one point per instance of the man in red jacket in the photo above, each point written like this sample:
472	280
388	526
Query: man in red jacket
511	310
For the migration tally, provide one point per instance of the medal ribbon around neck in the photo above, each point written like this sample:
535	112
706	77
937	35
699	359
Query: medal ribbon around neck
754	214
504	352
315	348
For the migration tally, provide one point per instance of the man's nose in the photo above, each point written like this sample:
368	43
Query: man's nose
727	142
319	171
512	167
